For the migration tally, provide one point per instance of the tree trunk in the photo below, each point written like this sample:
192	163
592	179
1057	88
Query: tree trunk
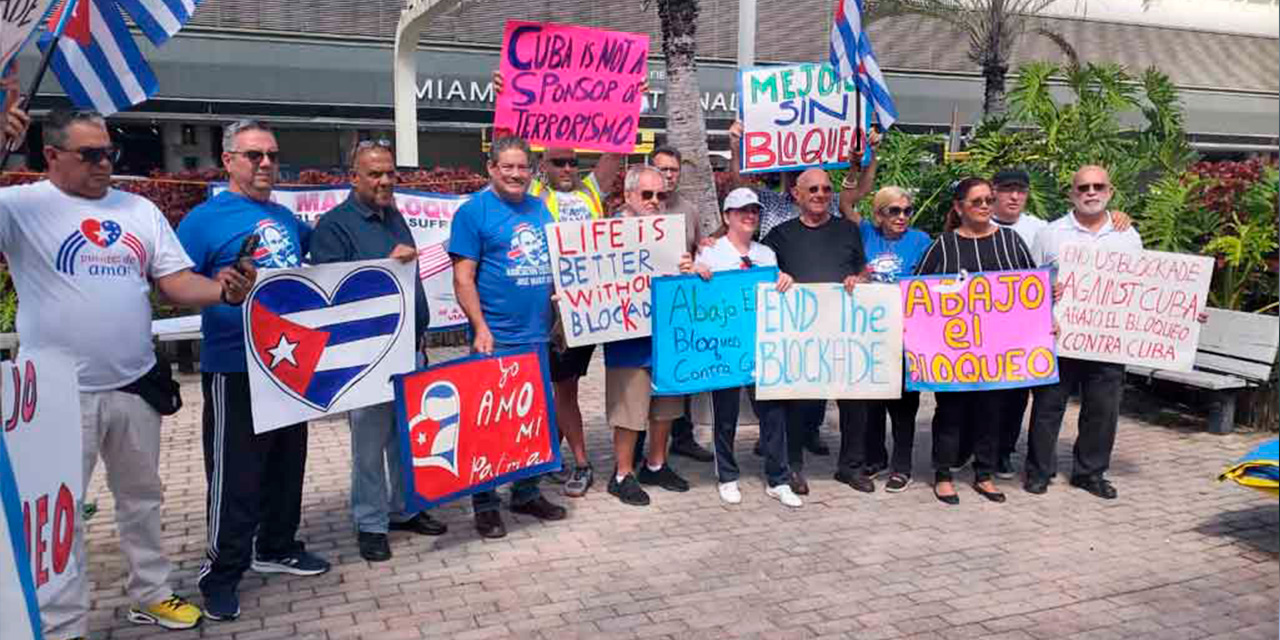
686	128
993	103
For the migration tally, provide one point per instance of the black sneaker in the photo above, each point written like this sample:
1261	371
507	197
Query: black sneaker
221	605
665	477
298	563
628	491
1005	469
689	448
857	481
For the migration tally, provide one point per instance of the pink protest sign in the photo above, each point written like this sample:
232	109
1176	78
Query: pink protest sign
988	330
570	86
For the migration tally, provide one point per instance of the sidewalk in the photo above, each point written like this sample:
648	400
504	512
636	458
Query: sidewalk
1178	555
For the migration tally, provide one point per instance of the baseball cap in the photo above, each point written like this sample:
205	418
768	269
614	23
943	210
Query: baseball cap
1011	176
741	197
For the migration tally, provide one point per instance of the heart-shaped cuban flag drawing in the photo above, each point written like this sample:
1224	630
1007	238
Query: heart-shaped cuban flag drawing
433	433
315	345
102	233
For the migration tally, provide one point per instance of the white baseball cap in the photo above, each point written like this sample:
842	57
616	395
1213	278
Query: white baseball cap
740	198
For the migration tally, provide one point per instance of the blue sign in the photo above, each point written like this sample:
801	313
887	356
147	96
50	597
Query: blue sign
704	331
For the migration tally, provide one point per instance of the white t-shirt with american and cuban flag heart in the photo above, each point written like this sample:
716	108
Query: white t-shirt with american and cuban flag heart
82	268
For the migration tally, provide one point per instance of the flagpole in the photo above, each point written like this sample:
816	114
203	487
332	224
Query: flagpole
25	100
857	129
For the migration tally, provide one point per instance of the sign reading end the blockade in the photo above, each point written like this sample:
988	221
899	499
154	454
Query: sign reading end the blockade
797	116
1131	307
570	86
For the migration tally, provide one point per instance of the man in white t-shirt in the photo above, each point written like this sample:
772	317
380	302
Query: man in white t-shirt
83	257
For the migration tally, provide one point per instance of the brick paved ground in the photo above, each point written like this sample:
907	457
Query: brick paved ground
1177	556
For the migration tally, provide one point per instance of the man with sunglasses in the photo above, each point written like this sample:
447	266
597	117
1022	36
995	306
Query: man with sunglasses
255	480
368	226
818	247
83	257
1101	383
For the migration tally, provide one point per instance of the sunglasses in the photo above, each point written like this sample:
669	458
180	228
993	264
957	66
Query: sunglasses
564	162
369	144
1100	187
255	157
94	155
660	196
898	212
746	262
826	188
979	202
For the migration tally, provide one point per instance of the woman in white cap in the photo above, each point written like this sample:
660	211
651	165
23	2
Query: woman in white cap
736	249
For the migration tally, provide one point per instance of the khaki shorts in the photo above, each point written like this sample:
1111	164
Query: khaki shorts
629	402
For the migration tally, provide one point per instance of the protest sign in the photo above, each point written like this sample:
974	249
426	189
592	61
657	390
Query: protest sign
704	331
17	24
429	216
797	116
40	414
602	270
986	331
570	86
471	424
327	338
1131	307
17	587
817	341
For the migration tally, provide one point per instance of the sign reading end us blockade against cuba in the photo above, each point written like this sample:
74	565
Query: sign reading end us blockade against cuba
472	424
797	116
1131	307
570	86
817	341
984	331
602	271
704	333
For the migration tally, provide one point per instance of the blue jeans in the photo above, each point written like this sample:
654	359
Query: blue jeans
375	458
522	491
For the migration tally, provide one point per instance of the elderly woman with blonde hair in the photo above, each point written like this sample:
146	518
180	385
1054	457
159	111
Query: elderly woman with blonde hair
893	249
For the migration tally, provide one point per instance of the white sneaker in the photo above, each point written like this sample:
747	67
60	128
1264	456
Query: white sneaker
729	492
785	495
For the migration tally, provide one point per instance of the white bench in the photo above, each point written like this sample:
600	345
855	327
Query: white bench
1237	351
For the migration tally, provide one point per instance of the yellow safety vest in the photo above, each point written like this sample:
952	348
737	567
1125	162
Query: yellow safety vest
591	194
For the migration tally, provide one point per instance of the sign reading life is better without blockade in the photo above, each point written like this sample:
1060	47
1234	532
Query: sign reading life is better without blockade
472	424
1131	307
602	271
428	215
817	341
570	86
327	338
704	331
795	117
985	331
40	419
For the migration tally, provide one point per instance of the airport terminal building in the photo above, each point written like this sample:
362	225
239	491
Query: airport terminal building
320	70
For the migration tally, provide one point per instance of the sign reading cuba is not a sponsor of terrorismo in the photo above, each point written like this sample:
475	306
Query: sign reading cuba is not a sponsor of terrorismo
989	330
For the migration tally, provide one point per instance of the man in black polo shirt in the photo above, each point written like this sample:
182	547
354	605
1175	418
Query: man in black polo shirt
818	247
368	227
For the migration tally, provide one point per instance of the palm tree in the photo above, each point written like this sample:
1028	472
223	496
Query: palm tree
993	28
686	130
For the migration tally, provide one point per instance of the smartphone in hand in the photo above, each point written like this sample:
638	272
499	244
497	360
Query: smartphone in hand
247	249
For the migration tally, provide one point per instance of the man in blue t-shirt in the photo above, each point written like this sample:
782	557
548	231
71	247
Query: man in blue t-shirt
502	280
255	480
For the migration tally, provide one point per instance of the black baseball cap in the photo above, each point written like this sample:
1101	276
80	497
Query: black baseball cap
1011	176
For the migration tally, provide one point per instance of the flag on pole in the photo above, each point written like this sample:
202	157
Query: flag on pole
851	55
97	61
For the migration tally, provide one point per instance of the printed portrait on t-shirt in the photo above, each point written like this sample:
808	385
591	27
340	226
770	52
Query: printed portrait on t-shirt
529	255
885	267
275	247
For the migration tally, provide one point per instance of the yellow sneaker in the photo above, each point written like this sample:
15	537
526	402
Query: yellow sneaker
173	613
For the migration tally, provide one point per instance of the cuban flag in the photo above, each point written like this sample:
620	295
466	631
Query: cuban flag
851	55
317	347
97	61
433	433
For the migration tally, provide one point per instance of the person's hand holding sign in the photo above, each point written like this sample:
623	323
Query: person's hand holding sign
403	253
236	282
784	282
16	121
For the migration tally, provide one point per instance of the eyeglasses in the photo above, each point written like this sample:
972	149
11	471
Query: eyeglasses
895	212
564	162
660	196
746	262
1100	187
981	202
826	188
94	155
255	156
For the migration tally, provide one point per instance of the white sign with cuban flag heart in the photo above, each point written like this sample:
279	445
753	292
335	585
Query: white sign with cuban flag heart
326	339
